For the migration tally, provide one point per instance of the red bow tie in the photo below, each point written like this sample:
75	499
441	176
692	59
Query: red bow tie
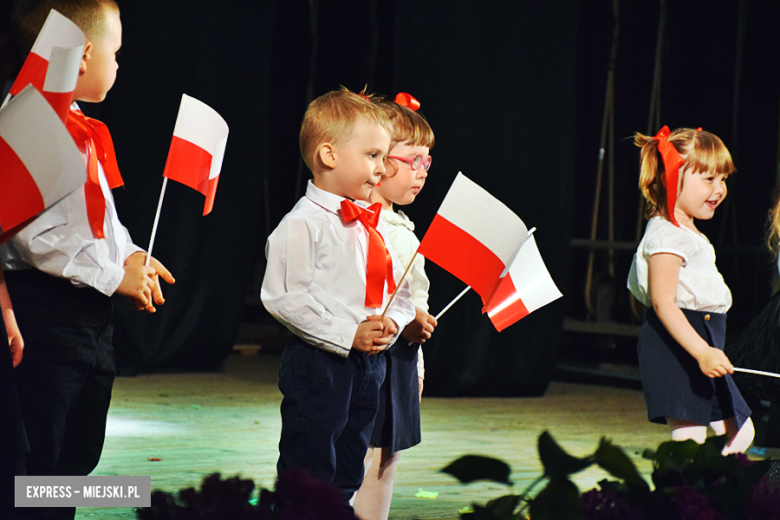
93	137
379	264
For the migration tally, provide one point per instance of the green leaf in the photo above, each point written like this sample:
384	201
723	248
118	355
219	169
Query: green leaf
614	460
504	507
560	500
675	456
557	463
471	468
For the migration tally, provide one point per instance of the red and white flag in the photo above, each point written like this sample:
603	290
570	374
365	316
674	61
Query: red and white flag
474	236
525	287
197	149
39	162
53	63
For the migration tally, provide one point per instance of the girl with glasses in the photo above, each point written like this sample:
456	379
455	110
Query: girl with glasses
397	424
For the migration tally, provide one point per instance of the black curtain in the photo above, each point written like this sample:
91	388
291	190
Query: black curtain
496	81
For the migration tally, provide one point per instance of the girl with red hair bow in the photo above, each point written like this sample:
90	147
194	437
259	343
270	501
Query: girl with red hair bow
686	377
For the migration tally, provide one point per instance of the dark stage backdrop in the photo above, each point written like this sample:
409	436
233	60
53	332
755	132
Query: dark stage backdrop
496	80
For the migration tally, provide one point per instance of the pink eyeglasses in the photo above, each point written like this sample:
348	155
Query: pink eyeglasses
415	162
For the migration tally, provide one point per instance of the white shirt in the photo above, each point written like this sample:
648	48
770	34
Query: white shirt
315	279
400	230
60	243
700	287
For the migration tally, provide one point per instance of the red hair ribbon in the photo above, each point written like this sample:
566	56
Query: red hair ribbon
672	163
379	264
93	137
408	101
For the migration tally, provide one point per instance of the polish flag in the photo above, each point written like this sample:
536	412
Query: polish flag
474	236
197	149
53	63
525	287
39	162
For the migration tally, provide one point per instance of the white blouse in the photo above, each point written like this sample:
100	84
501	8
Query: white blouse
700	286
400	231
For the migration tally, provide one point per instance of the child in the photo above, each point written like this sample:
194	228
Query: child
327	278
62	269
758	346
686	377
397	425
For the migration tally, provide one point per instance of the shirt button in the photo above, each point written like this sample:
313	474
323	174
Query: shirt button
706	317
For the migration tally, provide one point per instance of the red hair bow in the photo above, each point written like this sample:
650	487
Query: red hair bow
672	163
408	101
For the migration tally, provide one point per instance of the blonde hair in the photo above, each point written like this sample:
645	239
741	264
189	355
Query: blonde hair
330	119
409	127
701	151
29	16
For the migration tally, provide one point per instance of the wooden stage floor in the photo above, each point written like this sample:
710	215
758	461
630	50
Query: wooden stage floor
228	421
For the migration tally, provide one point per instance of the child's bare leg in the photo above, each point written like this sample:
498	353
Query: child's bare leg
372	501
739	440
686	430
366	467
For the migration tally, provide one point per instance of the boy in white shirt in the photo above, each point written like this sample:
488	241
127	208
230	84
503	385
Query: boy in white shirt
330	273
62	269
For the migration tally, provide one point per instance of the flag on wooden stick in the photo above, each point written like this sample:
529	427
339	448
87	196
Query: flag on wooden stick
52	66
39	162
197	149
481	241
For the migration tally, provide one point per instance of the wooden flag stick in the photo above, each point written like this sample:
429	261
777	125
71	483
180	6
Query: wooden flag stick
445	309
398	285
757	372
156	221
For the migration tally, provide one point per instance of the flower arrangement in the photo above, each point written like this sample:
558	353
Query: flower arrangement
692	482
297	496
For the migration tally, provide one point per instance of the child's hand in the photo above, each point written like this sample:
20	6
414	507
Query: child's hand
137	285
389	329
138	259
369	336
714	363
16	343
420	328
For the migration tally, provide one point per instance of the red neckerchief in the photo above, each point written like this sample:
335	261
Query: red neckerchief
379	264
93	137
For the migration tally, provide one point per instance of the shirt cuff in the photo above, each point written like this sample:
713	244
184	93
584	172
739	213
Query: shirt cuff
109	280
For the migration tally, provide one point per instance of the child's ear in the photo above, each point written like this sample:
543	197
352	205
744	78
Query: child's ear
86	57
327	154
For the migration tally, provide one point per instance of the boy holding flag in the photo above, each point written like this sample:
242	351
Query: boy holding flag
330	273
62	269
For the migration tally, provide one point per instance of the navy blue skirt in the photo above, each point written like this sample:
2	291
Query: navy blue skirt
672	382
397	423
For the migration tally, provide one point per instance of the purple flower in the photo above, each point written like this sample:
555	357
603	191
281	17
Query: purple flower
689	504
598	504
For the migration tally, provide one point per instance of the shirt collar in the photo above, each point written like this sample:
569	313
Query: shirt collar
327	200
